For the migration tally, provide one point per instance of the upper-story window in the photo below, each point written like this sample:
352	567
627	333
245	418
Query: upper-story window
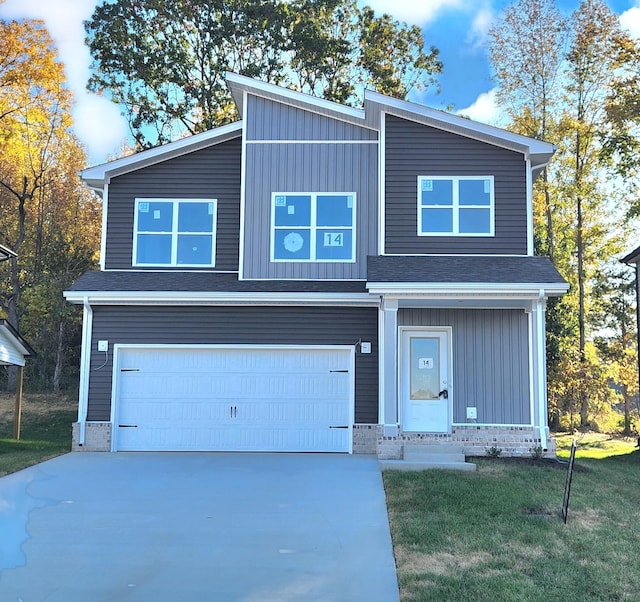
313	227
455	206
174	232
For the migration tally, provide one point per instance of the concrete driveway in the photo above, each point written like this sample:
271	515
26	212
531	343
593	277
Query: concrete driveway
186	527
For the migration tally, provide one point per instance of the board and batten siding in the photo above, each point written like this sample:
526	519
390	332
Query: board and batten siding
413	150
270	120
234	326
213	172
292	168
490	361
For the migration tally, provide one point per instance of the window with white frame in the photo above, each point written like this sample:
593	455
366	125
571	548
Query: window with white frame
455	206
318	227
174	232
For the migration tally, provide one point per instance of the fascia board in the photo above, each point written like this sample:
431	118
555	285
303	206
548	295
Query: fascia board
473	290
96	176
538	151
240	83
12	345
214	298
633	257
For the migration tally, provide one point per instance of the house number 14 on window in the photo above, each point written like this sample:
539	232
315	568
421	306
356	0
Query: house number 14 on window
333	239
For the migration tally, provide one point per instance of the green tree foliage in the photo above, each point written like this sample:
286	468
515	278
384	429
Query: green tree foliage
164	61
558	79
46	216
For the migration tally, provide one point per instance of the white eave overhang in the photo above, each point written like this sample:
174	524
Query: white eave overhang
421	290
96	177
218	298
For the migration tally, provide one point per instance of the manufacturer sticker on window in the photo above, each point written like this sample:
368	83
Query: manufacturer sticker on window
281	201
156	214
210	209
487	186
349	202
291	209
427	185
143	207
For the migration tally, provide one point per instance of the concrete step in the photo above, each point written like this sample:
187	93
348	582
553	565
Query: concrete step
433	453
406	466
437	448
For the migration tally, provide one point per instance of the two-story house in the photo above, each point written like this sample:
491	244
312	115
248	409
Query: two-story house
317	277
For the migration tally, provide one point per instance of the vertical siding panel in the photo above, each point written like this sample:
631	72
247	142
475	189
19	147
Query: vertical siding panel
490	360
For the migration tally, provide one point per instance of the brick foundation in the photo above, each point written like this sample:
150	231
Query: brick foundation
97	437
475	440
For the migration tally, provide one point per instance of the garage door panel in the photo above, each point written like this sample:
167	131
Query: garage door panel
234	399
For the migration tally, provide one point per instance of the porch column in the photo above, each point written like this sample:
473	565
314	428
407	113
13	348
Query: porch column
539	367
389	366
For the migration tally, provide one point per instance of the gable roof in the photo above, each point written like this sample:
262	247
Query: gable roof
370	116
13	348
99	175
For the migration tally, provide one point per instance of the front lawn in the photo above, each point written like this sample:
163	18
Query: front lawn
45	432
498	534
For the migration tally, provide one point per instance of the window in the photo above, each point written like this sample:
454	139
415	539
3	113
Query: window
174	232
455	206
313	227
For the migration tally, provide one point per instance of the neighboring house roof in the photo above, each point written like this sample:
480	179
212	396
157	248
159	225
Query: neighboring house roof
460	270
6	253
633	257
375	104
13	348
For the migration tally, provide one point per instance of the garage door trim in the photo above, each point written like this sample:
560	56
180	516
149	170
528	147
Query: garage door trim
118	348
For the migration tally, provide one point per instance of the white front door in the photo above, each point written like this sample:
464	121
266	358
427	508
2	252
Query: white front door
425	380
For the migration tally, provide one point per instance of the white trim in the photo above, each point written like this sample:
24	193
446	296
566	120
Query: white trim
448	332
119	347
85	368
103	237
382	197
175	232
491	425
529	185
219	298
531	362
540	363
100	174
460	125
456	207
312	142
313	227
284	94
471	289
381	364
243	193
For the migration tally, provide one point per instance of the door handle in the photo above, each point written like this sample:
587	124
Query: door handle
444	393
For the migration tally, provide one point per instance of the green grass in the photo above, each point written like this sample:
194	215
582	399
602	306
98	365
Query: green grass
45	430
498	535
595	445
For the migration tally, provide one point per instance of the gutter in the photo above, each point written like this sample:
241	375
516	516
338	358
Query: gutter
85	368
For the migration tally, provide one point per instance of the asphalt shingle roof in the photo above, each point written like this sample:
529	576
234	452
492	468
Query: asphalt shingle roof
462	269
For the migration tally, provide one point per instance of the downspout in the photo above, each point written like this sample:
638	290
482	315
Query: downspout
85	368
542	369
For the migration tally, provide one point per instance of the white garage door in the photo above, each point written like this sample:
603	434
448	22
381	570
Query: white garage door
234	399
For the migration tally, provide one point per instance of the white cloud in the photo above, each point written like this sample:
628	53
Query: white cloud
630	20
483	109
97	122
480	26
414	12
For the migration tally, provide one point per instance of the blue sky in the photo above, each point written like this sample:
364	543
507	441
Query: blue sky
457	28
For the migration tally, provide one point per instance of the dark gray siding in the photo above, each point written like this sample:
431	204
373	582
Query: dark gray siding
490	361
213	172
270	120
250	325
309	168
414	150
